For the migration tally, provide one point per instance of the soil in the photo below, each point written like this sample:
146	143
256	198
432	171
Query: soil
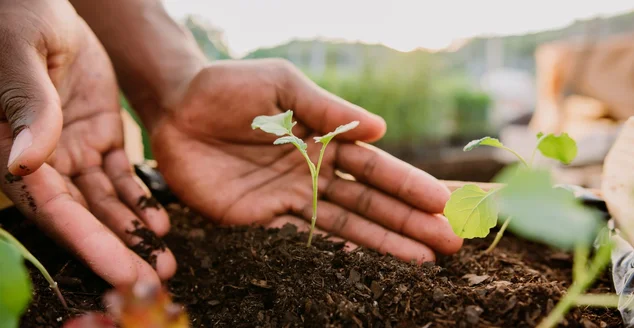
253	277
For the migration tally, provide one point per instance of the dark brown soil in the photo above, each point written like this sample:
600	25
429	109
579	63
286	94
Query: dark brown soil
149	243
252	277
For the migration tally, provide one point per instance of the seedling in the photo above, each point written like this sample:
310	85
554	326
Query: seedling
282	125
539	211
136	307
15	285
472	212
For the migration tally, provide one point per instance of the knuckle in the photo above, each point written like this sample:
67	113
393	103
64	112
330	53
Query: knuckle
14	102
365	200
370	166
340	222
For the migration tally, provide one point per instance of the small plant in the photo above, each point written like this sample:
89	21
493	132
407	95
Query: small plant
537	210
472	212
15	285
282	125
137	307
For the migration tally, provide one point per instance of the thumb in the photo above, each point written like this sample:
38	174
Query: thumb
323	111
30	104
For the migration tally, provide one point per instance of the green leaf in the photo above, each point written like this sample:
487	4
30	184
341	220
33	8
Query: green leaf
562	148
299	143
15	285
471	211
325	139
486	141
546	214
279	124
493	142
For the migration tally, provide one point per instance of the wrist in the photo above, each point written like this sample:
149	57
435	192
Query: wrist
154	57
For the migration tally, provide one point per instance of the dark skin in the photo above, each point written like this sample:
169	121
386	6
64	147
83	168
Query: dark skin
80	190
208	144
198	115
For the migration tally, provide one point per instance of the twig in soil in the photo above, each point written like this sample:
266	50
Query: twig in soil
29	257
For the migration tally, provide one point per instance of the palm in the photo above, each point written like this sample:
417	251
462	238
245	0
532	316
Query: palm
253	180
217	164
90	171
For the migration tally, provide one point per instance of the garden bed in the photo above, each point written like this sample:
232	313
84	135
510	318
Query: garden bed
250	277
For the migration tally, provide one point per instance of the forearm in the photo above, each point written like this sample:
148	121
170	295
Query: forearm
154	58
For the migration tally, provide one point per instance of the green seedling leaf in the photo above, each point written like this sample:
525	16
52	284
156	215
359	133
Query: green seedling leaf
545	214
299	143
471	211
279	124
325	139
486	141
15	286
492	142
562	148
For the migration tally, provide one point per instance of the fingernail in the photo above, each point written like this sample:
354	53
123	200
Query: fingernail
20	144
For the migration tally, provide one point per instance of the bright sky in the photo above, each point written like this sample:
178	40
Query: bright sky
400	24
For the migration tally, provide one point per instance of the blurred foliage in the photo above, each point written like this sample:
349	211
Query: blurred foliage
146	139
424	97
400	92
471	113
210	39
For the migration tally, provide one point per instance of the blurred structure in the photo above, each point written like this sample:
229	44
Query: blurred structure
584	88
572	79
513	95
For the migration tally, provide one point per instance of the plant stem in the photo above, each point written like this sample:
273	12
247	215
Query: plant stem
518	156
539	141
29	257
600	260
598	300
580	262
315	177
498	236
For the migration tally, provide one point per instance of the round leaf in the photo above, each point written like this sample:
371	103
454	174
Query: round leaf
545	214
562	148
471	211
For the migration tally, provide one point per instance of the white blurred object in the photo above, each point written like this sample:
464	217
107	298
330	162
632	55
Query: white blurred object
513	94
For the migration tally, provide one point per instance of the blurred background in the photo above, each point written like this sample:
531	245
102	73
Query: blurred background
445	72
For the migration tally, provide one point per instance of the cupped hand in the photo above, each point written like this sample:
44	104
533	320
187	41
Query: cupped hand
218	165
62	139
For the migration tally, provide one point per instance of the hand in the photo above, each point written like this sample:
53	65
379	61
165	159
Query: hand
61	132
218	165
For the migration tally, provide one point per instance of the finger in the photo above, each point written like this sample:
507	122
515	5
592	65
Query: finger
432	230
145	273
104	204
43	197
72	189
350	226
323	111
398	179
128	187
30	103
303	226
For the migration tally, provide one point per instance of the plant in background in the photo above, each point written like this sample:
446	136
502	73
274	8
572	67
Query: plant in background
140	306
472	212
537	210
15	285
282	125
